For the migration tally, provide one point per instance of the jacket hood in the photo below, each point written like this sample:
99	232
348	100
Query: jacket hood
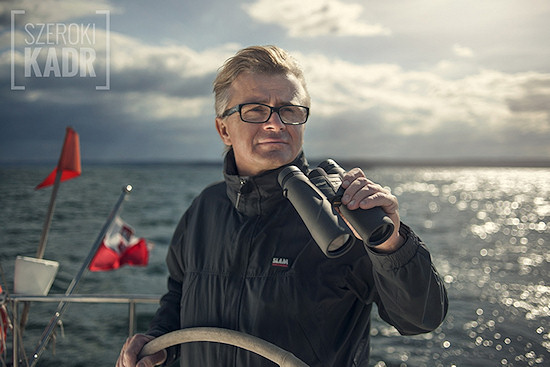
256	195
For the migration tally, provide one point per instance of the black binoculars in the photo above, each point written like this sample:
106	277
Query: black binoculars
316	197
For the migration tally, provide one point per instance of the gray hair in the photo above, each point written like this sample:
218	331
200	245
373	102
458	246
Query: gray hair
255	59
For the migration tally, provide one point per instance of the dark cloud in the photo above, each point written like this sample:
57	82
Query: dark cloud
163	82
367	136
403	96
34	120
535	98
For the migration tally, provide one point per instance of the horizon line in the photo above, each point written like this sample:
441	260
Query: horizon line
355	162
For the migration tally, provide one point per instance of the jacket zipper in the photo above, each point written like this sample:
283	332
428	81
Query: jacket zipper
244	275
243	182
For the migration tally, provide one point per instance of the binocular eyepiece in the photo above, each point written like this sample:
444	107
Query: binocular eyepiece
316	197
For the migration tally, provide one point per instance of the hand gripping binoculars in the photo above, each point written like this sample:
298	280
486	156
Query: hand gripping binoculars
316	197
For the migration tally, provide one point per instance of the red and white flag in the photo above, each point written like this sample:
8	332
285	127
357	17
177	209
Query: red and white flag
120	247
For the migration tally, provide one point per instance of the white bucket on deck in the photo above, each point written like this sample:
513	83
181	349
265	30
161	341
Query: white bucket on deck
34	276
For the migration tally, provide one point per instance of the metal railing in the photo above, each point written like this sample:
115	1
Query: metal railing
131	299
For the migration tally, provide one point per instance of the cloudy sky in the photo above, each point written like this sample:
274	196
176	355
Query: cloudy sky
393	79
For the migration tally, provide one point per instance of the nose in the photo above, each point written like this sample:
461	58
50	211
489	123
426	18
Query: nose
274	122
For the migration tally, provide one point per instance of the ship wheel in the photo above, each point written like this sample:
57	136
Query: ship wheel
261	347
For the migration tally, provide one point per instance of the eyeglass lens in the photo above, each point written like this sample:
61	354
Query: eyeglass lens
260	113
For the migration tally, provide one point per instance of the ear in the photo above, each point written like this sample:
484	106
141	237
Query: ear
221	126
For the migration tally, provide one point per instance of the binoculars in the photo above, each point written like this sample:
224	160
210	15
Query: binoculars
316	197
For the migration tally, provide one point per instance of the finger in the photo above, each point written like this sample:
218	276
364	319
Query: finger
353	188
351	175
123	360
389	205
153	360
386	201
130	350
359	190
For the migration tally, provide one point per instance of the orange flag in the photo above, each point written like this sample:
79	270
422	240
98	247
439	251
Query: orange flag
69	161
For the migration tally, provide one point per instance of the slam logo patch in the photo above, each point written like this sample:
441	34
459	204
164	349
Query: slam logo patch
281	262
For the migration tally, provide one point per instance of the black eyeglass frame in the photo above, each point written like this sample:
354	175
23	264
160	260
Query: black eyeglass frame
239	107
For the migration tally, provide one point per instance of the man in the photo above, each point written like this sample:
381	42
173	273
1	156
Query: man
225	256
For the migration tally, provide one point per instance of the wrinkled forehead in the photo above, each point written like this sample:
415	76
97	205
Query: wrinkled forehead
267	88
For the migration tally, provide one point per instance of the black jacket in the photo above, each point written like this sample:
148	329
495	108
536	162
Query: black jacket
241	258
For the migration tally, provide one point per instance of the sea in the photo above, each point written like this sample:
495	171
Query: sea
487	229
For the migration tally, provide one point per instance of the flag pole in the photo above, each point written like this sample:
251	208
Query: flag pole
62	305
61	165
48	221
42	246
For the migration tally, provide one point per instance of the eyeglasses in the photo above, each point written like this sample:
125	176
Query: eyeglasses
258	113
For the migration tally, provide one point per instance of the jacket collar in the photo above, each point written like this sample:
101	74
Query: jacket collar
256	195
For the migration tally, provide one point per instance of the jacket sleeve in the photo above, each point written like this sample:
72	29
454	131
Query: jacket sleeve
412	296
167	317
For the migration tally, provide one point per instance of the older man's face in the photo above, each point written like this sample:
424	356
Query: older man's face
269	145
